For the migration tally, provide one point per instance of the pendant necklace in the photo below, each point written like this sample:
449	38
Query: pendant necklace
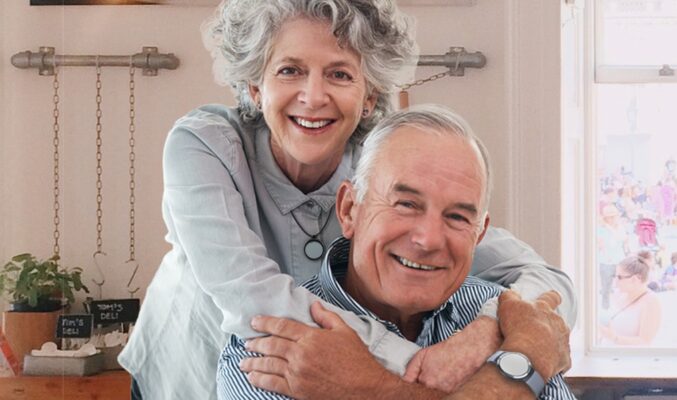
314	249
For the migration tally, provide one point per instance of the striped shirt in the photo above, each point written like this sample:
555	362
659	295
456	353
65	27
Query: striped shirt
452	316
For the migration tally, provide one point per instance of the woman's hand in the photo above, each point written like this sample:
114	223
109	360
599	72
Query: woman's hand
303	362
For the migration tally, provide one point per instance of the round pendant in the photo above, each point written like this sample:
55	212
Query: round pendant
314	249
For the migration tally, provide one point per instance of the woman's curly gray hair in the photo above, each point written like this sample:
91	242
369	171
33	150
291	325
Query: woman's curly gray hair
240	34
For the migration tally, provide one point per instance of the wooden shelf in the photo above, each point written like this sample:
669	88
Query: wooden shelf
109	385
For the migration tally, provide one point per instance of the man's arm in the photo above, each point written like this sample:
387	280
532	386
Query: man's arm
534	330
503	259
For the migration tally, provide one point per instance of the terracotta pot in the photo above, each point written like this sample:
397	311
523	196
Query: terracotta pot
26	331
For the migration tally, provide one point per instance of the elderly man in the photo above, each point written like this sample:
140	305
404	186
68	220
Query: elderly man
411	219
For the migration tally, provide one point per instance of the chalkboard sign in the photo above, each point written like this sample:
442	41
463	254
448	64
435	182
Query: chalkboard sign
115	311
74	326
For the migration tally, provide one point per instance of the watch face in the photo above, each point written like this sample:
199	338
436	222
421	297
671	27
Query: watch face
515	365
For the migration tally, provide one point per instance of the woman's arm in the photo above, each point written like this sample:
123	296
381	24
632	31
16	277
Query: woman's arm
504	259
207	219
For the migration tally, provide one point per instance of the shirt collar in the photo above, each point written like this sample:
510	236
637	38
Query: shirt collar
285	195
335	267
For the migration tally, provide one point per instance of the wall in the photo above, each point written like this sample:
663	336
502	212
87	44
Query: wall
513	104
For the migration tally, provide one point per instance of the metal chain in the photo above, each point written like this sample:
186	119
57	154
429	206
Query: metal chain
55	141
99	168
132	157
420	82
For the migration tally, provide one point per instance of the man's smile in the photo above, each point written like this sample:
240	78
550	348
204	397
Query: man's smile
414	265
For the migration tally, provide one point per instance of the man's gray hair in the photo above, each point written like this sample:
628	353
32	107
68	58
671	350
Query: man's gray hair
428	118
240	35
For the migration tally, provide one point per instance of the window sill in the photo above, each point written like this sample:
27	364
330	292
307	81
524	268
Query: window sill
617	366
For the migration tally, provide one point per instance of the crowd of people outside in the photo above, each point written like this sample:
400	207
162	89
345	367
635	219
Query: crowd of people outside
636	253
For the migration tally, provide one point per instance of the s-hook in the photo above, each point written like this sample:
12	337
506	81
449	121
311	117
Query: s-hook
102	277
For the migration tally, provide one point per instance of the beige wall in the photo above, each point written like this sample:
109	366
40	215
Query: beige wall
513	104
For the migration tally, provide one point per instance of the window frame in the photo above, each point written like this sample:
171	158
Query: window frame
585	182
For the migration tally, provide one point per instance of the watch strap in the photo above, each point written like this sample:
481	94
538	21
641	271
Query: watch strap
535	382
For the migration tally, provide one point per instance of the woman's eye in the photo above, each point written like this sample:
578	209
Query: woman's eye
341	75
288	71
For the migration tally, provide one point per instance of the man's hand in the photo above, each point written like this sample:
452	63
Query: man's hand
303	362
446	365
536	330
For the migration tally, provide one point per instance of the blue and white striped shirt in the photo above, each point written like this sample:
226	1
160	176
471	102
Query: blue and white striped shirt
461	309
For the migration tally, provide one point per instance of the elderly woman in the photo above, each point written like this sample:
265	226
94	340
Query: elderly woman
636	317
249	191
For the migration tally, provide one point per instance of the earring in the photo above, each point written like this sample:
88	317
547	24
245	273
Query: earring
365	112
258	104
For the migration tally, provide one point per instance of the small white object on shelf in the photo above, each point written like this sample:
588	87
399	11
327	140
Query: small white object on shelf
49	349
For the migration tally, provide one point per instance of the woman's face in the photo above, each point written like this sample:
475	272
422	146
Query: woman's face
312	95
624	280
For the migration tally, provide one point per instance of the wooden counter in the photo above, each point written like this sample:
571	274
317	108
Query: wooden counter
613	388
110	385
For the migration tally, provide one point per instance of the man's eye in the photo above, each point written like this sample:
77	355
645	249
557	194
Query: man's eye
456	218
406	204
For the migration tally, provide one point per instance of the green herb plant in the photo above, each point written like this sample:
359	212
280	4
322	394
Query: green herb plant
25	279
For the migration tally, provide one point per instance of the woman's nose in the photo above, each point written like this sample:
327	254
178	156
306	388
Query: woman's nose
314	92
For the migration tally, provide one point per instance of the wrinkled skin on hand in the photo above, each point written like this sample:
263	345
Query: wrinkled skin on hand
536	330
303	362
448	364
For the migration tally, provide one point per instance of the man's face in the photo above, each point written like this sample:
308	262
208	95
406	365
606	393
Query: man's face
414	234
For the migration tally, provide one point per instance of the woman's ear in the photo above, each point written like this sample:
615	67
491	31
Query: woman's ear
345	207
254	93
370	102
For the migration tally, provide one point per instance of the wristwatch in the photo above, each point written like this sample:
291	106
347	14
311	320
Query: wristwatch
516	366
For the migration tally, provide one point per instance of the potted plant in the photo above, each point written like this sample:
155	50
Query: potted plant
37	291
34	285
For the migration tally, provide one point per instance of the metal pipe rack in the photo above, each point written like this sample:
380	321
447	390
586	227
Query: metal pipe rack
149	60
457	59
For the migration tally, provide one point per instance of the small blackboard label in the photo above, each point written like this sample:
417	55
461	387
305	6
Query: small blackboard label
115	311
74	326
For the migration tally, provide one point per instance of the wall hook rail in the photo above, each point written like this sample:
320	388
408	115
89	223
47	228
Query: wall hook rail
149	60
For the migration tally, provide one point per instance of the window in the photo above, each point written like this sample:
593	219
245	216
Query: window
625	195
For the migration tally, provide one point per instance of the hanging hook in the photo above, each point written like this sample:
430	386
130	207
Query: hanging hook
131	279
100	271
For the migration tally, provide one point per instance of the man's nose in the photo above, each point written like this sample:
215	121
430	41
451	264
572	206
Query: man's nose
428	233
314	91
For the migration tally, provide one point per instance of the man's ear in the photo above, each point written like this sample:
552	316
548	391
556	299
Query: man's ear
345	208
484	228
